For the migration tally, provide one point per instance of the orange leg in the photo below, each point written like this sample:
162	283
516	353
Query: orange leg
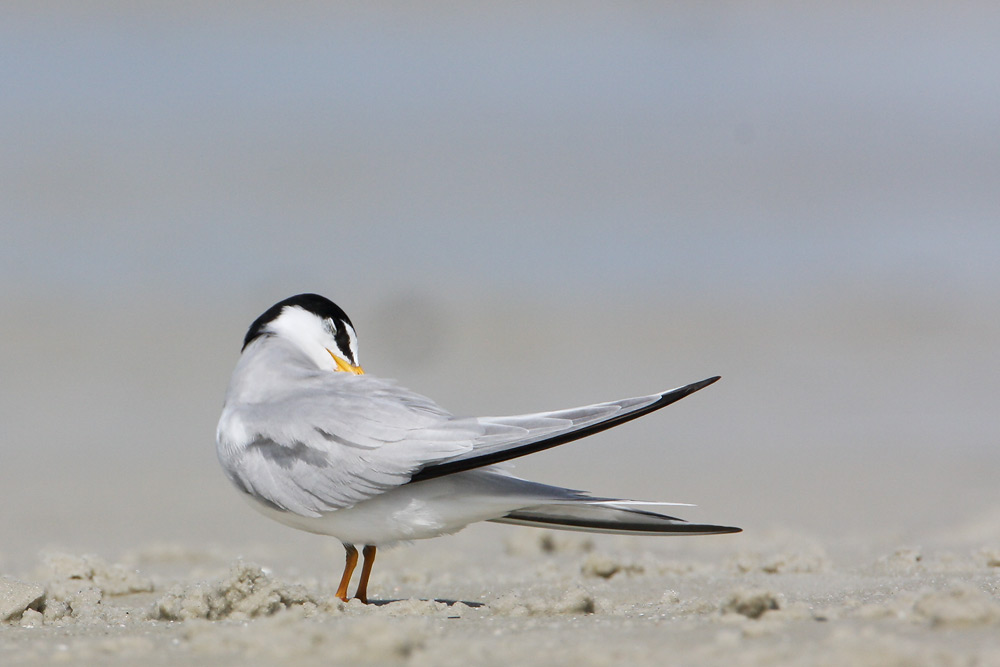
366	571
352	560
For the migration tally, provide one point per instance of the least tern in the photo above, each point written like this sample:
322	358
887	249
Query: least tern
319	445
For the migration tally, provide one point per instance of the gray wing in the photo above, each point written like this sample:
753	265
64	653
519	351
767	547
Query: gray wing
310	442
506	438
334	442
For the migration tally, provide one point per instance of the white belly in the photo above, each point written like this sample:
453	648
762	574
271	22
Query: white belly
415	511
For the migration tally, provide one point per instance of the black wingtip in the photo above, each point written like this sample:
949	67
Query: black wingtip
696	386
674	395
704	529
451	467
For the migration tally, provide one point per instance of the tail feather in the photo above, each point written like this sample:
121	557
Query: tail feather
604	517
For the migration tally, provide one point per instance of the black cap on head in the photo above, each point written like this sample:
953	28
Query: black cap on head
314	303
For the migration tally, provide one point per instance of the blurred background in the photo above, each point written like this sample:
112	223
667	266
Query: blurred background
522	207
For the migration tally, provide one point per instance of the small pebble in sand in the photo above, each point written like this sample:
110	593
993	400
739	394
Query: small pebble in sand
991	557
605	567
533	542
752	603
902	561
31	618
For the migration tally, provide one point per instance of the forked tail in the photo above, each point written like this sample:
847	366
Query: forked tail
607	517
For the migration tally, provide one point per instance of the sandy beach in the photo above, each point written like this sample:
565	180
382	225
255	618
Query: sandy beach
115	554
530	597
522	207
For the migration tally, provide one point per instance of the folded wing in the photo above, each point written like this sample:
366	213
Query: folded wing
505	438
324	441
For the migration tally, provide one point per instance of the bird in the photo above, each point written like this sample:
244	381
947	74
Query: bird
314	442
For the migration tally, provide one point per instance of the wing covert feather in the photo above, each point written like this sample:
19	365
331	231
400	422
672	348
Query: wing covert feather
332	440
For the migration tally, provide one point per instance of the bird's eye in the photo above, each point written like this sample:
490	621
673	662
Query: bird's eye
338	331
334	329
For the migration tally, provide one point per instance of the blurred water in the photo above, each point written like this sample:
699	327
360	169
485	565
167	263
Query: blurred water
638	149
522	209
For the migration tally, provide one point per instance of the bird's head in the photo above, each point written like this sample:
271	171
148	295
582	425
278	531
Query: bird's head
315	325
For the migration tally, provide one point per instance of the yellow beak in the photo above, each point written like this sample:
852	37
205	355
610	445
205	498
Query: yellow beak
345	366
